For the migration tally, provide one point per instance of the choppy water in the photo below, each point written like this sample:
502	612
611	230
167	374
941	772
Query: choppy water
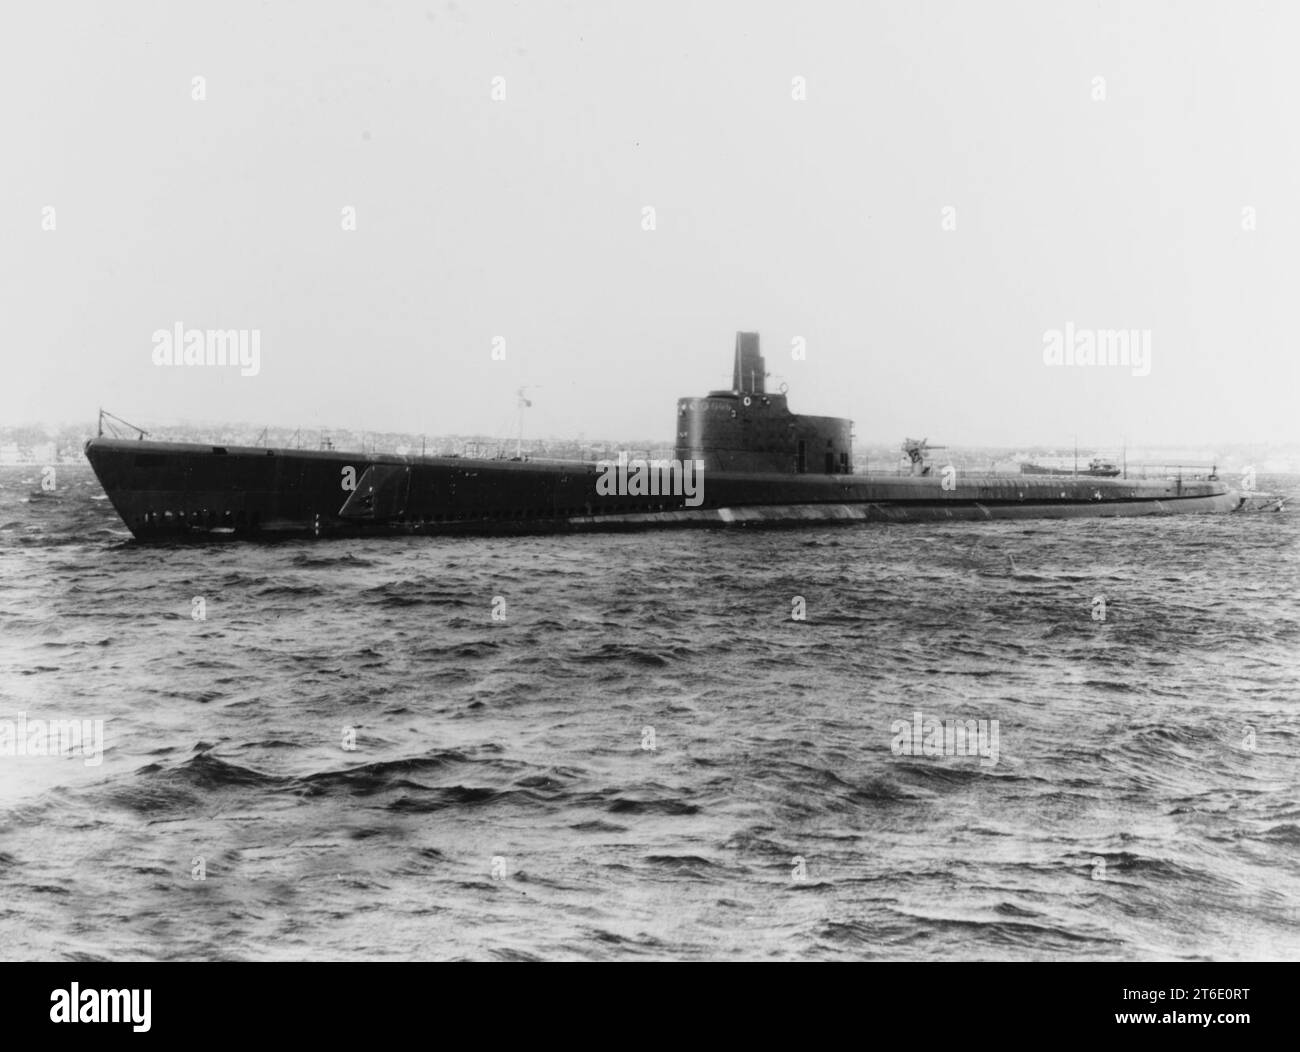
1144	803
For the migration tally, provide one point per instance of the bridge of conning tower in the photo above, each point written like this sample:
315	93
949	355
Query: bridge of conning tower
747	429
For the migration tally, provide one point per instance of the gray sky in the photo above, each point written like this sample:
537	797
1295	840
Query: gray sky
522	218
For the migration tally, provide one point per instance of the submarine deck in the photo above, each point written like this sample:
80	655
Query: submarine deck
190	491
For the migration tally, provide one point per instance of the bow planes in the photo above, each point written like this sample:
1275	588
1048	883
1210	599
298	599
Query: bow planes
742	458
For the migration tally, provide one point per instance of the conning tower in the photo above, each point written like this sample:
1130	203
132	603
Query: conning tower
747	429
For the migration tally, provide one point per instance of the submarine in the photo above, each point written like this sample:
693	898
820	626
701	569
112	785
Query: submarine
741	458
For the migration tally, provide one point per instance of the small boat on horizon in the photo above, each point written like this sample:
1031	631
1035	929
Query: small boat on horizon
1097	468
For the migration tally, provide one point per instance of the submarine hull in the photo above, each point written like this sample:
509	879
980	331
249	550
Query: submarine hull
167	491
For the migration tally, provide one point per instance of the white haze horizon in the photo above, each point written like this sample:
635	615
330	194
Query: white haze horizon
915	196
